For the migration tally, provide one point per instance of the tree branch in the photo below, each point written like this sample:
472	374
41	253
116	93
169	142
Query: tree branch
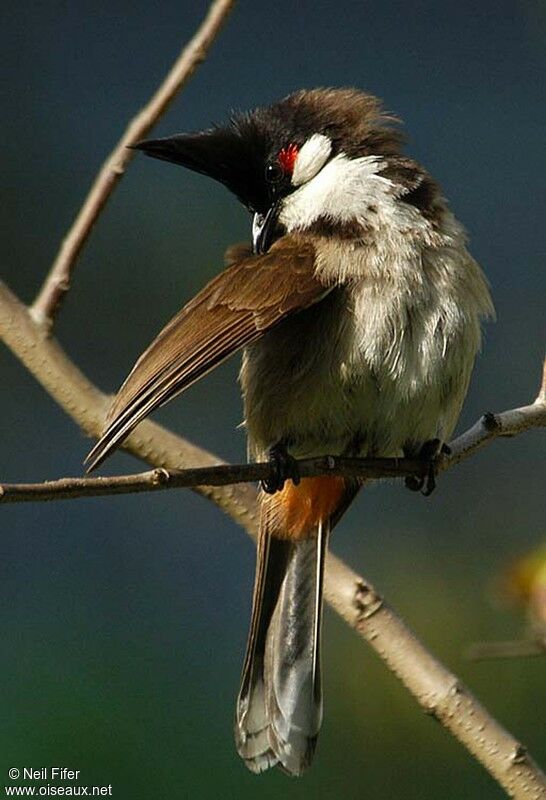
26	331
436	689
517	648
57	283
487	429
87	406
220	475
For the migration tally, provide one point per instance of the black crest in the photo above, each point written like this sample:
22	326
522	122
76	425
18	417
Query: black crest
237	154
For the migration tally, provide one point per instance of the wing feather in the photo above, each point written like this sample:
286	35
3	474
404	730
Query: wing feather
232	311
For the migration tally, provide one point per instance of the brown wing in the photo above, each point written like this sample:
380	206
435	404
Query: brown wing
233	310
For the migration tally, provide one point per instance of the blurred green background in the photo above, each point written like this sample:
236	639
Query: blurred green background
124	619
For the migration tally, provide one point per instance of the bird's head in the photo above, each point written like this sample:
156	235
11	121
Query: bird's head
293	163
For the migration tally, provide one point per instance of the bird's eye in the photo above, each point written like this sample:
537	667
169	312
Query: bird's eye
273	172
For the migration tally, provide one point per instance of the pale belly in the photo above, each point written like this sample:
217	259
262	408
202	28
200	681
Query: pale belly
312	384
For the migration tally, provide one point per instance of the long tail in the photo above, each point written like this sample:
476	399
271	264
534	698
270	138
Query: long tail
279	708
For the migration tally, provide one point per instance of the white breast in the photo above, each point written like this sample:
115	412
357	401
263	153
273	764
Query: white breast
389	364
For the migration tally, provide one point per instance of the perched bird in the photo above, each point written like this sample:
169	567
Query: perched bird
358	310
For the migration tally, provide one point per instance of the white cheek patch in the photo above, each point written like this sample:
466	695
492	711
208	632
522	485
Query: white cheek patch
342	190
311	158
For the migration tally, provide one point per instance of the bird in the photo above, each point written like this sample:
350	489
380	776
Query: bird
358	310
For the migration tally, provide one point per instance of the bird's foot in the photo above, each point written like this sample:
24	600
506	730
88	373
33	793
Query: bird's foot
429	454
283	467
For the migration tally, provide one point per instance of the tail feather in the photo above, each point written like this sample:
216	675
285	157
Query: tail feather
251	726
279	709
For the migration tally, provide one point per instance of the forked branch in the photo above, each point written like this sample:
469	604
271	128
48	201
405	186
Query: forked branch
23	330
436	689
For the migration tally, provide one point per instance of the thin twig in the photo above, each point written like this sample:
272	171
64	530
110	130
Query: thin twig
435	688
57	283
518	648
432	685
220	475
492	426
488	428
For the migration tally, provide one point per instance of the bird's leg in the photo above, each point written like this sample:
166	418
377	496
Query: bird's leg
429	453
283	467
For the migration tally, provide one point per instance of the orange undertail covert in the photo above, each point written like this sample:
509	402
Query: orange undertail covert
296	511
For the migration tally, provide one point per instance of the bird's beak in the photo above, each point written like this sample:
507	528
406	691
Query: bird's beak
219	153
263	229
200	152
222	154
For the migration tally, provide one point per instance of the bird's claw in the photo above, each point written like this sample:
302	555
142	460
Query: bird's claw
283	467
429	454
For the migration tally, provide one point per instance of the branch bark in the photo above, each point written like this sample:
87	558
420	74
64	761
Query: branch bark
57	283
487	429
437	690
434	687
26	333
220	475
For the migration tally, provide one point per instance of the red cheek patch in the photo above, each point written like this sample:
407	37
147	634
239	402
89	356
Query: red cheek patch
287	158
